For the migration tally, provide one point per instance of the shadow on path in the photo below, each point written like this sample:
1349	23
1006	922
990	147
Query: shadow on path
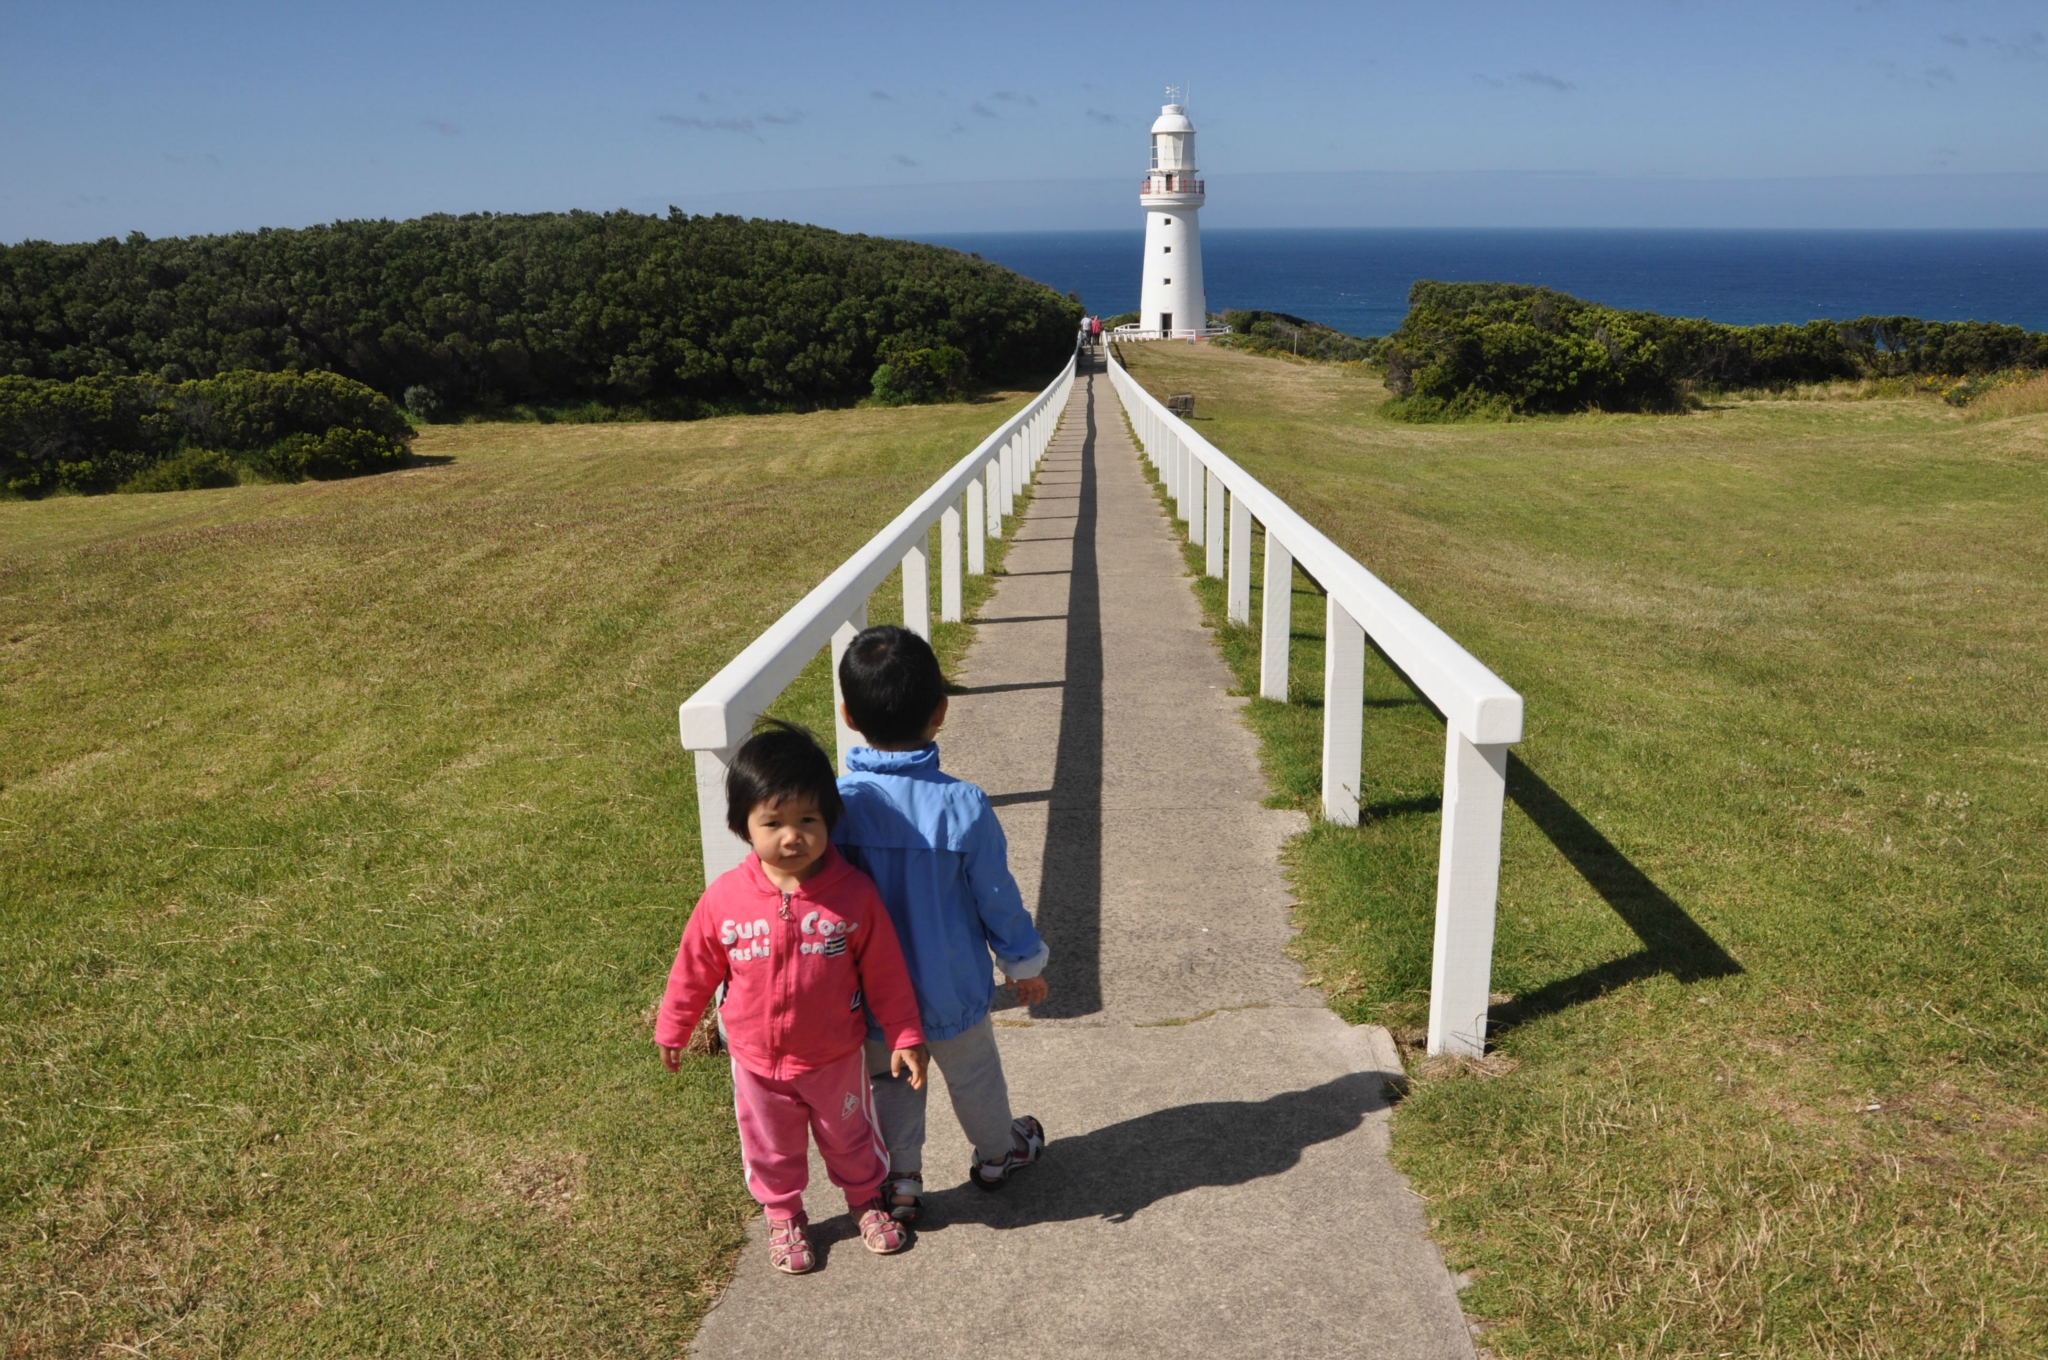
1116	1171
1070	876
1673	942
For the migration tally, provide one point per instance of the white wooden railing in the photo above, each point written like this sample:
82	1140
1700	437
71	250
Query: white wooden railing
1133	331
1219	500
721	714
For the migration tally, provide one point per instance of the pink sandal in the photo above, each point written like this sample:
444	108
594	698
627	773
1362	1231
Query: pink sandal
881	1234
789	1246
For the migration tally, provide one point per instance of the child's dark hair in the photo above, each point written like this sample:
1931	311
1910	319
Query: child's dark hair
890	680
780	761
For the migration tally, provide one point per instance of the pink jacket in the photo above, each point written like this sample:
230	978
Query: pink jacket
799	971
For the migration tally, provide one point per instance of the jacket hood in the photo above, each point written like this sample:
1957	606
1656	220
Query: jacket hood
924	760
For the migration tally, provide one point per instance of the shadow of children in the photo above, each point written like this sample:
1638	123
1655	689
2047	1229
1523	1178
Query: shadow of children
1115	1171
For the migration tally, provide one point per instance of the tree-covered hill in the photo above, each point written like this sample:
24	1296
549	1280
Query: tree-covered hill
676	314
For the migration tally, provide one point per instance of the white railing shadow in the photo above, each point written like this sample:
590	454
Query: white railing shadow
721	714
1218	500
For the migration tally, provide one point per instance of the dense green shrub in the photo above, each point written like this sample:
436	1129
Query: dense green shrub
1495	348
1260	332
98	433
192	470
672	315
923	373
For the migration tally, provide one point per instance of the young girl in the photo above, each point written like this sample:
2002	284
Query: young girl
804	947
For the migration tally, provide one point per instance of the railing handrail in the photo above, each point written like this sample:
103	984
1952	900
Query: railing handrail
1472	698
723	709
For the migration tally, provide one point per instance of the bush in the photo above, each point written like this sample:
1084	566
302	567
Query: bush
192	470
422	401
675	315
98	433
931	373
1471	348
328	457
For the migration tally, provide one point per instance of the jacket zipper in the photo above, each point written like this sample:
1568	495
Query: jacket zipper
785	962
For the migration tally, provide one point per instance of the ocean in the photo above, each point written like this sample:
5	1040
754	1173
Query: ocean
1357	281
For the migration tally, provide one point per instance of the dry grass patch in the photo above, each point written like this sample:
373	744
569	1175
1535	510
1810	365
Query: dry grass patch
2024	399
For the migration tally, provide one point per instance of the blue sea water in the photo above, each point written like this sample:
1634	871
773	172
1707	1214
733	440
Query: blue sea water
1357	281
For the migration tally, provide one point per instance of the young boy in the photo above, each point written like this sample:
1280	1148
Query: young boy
934	848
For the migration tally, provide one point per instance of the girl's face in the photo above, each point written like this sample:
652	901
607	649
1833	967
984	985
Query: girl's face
790	836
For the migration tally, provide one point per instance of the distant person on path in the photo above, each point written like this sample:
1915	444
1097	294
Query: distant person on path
935	849
801	940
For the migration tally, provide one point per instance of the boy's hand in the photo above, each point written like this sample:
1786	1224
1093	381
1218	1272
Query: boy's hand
913	1058
671	1058
1029	991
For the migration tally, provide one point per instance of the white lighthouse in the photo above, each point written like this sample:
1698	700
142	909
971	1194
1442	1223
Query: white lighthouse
1172	301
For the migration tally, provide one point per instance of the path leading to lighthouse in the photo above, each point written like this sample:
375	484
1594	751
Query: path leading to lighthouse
1216	1180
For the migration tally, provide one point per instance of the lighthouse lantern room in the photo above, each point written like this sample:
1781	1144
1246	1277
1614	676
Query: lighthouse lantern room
1172	302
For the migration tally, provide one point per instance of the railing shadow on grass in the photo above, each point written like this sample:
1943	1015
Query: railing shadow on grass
1673	943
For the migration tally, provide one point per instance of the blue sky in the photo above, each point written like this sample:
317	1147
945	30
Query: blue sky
171	119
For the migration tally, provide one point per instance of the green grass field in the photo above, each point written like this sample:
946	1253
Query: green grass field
345	840
1773	1075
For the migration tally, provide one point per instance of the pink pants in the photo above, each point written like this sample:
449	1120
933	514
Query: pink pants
836	1104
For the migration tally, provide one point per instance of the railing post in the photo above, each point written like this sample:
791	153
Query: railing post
977	531
995	497
848	738
1198	522
1343	712
1010	483
1181	490
1214	503
1276	619
949	565
722	849
1237	594
917	591
1467	886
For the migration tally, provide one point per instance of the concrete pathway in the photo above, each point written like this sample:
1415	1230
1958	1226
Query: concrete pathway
1216	1179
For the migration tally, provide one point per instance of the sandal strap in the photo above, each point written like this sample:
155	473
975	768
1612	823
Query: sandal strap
880	1232
789	1245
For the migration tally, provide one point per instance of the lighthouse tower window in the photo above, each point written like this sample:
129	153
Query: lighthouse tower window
1169	221
1169	250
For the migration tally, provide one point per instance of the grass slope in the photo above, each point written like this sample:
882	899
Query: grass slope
345	841
1775	867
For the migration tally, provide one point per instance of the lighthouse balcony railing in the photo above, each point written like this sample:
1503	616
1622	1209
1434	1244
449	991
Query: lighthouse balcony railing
1172	184
968	504
1220	502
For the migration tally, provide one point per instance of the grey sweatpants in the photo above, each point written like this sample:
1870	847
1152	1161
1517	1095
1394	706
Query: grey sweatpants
974	1080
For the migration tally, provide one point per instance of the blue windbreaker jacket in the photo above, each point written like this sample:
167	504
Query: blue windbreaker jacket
933	846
